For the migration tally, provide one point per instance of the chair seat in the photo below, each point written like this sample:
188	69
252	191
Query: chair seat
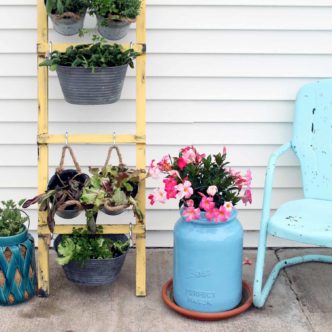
306	220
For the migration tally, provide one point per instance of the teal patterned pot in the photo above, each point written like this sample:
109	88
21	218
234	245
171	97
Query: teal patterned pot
17	268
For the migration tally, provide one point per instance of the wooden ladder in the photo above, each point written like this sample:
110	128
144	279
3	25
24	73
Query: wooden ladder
44	138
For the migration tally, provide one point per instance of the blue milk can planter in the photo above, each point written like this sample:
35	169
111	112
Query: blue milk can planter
17	268
207	274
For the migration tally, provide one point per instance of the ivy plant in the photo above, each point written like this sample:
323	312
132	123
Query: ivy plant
11	218
61	6
116	9
96	55
82	246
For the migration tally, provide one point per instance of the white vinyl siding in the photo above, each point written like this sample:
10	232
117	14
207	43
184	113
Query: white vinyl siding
218	73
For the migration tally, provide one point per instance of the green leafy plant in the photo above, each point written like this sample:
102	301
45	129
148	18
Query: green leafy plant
116	9
111	186
65	195
61	6
96	55
11	218
82	246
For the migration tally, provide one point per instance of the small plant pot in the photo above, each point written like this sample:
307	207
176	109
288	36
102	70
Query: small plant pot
113	29
71	211
68	24
81	86
94	272
18	282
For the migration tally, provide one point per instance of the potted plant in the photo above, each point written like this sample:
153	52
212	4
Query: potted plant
92	74
67	15
208	237
91	260
17	251
63	192
111	189
115	16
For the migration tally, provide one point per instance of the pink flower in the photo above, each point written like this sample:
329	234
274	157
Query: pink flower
174	173
158	195
224	151
189	154
151	198
182	163
248	178
206	203
154	171
170	184
247	198
228	206
190	202
199	157
247	261
190	213
221	214
212	190
209	214
184	190
165	164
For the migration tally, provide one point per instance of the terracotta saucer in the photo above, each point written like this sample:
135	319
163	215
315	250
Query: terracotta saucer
245	304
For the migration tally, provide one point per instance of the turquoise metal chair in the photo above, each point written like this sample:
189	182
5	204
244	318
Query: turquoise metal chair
308	220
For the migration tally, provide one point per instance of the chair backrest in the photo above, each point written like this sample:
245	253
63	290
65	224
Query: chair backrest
312	138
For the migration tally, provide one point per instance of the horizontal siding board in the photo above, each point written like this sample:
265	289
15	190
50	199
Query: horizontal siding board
157	111
283	89
223	41
202	65
219	18
239	155
26	177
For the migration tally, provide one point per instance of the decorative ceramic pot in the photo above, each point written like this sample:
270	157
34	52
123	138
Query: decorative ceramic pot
207	274
113	29
81	86
68	24
18	281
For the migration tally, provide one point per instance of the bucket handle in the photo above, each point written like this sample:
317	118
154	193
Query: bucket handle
27	216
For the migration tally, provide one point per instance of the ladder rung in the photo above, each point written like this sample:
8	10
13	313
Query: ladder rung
43	48
107	229
90	139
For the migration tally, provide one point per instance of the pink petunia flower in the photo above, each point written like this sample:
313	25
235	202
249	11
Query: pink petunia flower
247	198
228	206
206	203
212	190
182	163
221	214
184	190
154	171
189	154
190	213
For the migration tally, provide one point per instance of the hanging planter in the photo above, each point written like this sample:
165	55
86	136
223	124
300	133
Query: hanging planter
63	192
67	15
208	238
115	17
111	189
92	74
91	260
18	281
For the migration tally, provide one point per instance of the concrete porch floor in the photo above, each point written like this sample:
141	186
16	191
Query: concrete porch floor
301	300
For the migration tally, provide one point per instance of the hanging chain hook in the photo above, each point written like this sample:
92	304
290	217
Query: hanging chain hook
66	135
114	138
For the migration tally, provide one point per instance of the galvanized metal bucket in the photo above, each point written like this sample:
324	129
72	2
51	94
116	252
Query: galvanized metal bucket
95	272
68	24
112	30
81	86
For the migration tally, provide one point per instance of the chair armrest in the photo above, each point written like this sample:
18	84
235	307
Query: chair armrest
269	181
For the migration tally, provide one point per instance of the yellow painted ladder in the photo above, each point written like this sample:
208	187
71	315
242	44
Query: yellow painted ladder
44	138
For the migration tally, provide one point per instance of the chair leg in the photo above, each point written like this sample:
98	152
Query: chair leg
260	295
